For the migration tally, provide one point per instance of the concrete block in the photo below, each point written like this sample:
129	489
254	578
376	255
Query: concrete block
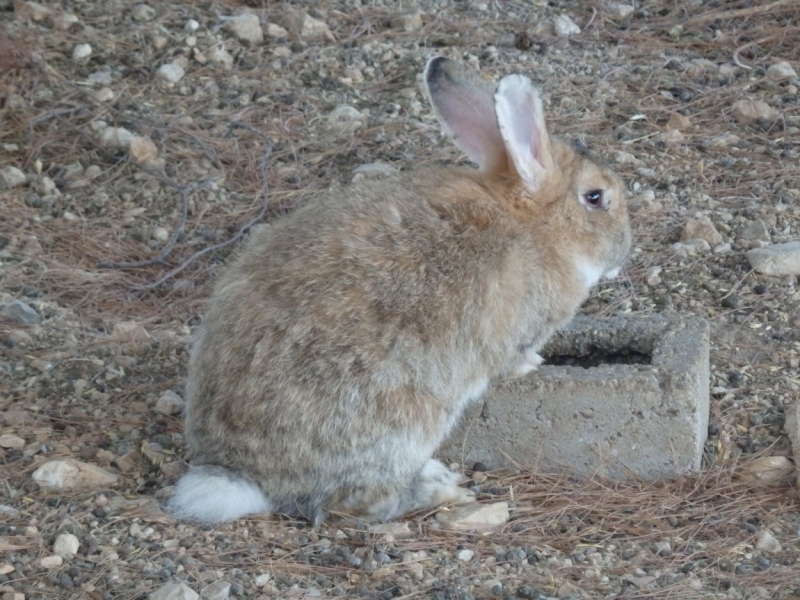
620	397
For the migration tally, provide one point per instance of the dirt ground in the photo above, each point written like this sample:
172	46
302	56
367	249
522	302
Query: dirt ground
139	143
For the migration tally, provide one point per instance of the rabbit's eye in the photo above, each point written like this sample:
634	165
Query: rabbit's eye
595	199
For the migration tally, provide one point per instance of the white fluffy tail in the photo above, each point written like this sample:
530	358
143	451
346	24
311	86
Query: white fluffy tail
215	495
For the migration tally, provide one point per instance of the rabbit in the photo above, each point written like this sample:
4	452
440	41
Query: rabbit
345	341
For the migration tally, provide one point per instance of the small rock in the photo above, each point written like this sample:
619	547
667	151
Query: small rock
626	158
105	94
262	579
768	470
728	139
17	311
143	13
70	475
31	10
81	52
465	555
174	591
66	546
701	228
619	10
663	548
143	150
65	21
191	26
116	137
51	562
171	72
277	32
376	170
169	403
481	517
748	112
565	27
218	55
755	231
777	259
14	442
306	27
671	137
345	118
781	71
130	331
652	277
691	247
160	234
406	21
246	27
13	596
678	122
12	176
395	530
219	590
766	542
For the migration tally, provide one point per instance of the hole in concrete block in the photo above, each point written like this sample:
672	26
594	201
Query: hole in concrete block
597	357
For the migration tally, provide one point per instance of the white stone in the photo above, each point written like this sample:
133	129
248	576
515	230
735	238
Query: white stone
465	555
218	55
116	137
130	331
174	591
143	150
691	247
14	442
781	71
306	27
406	21
701	228
19	312
777	259
391	530
766	542
565	27
66	546
143	12
345	118
12	176
81	52
246	27
275	31
65	21
619	10
51	562
172	72
191	25
480	517
69	475
261	580
219	590
169	403
747	111
768	470
755	231
376	170
160	234
31	10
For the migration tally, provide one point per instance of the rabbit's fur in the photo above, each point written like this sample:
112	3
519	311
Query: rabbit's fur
344	342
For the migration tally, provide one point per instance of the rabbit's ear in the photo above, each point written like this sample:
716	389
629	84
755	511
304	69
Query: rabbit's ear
463	101
521	119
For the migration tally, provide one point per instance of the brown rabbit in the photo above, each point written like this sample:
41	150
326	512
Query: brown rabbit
344	342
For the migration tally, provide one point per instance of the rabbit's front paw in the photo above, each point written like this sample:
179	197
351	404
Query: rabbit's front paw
530	362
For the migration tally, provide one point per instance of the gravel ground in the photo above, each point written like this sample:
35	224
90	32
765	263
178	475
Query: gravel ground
137	142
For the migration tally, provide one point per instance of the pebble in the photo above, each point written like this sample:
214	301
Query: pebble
652	277
246	27
51	562
68	474
755	231
174	591
701	228
691	247
116	137
66	546
747	111
777	259
262	580
130	331
160	234
31	10
565	27
105	94
768	470
406	21
14	442
169	403
391	530
81	52
65	21
277	32
663	548
781	71
171	72
191	25
143	12
12	176
305	26
219	590
766	542
678	122
218	55
345	118
143	150
619	10
17	311
480	517
465	555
